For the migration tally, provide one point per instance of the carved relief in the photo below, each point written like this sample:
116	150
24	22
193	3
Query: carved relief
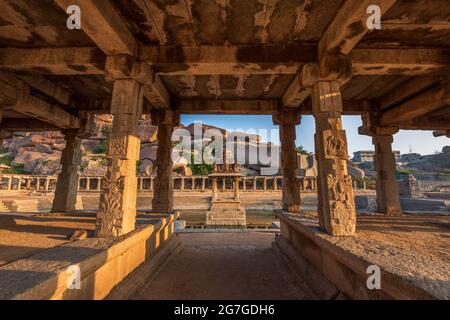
335	144
340	192
117	146
110	214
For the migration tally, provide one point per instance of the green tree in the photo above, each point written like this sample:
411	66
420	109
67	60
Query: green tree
302	150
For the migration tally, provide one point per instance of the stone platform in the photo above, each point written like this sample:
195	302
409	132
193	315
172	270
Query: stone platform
413	253
226	213
103	263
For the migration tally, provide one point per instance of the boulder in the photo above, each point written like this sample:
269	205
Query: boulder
44	148
95	171
149	152
47	167
182	169
147	132
146	167
59	146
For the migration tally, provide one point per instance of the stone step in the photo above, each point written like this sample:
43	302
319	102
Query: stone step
3	208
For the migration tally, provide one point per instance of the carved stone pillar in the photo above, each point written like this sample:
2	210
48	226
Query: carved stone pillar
287	120
117	208
336	199
67	183
163	191
388	199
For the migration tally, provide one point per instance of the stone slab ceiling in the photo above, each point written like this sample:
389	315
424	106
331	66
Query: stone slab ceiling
231	50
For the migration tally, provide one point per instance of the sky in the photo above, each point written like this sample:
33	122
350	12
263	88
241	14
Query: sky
422	142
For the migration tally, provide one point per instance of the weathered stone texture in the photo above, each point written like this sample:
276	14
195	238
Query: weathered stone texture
388	200
287	120
117	209
67	185
337	208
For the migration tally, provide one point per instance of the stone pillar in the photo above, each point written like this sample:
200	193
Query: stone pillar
67	184
215	191
182	183
236	189
336	199
166	120
117	208
287	120
388	200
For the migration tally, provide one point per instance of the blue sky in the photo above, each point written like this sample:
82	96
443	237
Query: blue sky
418	141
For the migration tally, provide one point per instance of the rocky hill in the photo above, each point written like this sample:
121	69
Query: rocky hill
40	153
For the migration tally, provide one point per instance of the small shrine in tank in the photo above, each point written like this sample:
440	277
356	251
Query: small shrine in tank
225	207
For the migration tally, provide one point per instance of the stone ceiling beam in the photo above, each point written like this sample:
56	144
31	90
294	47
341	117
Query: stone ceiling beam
101	22
51	113
202	106
222	60
48	88
406	90
27	125
56	61
15	95
349	26
404	61
432	100
427	123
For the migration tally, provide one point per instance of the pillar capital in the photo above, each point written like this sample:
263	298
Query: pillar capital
286	117
371	125
335	67
326	96
165	117
332	67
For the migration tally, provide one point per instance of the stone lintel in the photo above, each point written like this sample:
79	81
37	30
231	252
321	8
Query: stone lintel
286	117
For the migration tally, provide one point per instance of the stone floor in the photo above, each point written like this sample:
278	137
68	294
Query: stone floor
32	234
226	266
